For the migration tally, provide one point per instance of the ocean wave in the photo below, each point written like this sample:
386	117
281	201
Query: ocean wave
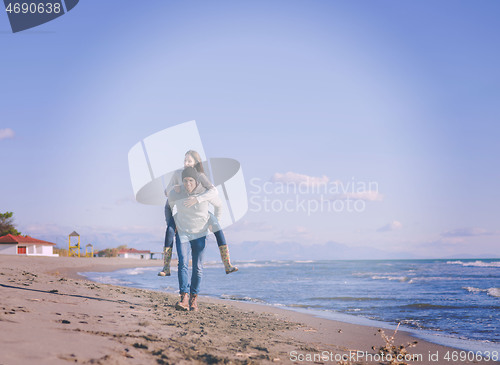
349	299
492	292
108	280
241	298
391	278
304	261
476	263
139	270
436	278
249	264
428	306
212	263
412	323
246	261
303	306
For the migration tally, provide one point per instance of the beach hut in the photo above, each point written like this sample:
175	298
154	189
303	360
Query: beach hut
132	253
25	245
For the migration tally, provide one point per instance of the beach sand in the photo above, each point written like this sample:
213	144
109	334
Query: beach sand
51	315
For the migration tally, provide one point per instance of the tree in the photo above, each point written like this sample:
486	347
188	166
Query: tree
111	252
7	224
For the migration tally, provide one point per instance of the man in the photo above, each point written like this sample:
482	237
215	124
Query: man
192	222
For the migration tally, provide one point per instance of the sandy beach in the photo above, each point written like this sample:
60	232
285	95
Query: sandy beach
51	315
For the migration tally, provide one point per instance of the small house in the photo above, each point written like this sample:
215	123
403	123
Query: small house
132	253
25	245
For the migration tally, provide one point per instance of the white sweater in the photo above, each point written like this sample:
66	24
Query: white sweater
193	220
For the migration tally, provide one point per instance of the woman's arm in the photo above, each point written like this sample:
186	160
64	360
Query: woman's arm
175	180
211	191
205	182
217	204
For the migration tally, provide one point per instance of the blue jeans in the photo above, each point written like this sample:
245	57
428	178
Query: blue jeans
170	232
197	247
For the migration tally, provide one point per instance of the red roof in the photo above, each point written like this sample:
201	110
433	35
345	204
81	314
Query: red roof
23	239
132	250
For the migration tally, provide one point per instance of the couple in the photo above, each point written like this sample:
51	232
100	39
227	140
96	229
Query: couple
191	225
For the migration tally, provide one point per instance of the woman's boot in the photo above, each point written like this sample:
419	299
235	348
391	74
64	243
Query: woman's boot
224	255
167	256
183	304
193	305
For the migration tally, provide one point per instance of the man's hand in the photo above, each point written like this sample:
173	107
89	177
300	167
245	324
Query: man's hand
189	202
177	188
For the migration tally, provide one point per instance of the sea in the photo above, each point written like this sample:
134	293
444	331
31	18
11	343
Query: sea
450	302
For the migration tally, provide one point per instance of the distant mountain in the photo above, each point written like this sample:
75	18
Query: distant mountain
265	250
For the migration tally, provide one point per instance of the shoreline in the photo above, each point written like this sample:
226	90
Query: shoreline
46	298
438	338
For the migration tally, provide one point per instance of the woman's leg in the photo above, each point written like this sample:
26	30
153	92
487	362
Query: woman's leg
170	233
168	211
197	250
182	273
221	242
217	231
167	257
169	241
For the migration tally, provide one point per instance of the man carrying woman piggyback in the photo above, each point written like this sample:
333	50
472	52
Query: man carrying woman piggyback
190	226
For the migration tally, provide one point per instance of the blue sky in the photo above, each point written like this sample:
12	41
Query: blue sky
405	94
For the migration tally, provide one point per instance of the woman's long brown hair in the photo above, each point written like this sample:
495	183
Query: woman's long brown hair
197	159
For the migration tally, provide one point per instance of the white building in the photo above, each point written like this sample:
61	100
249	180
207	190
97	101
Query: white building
132	253
25	245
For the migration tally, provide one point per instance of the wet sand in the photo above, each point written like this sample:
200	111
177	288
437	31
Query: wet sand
51	315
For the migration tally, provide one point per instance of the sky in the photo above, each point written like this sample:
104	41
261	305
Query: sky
403	97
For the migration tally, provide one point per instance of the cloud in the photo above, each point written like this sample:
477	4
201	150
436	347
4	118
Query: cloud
364	195
467	232
295	178
355	190
393	226
6	133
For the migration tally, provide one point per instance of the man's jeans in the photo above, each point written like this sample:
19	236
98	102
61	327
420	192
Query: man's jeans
197	247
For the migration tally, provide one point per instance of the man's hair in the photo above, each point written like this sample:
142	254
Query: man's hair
190	172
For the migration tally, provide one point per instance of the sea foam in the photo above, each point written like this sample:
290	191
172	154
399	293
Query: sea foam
492	292
476	263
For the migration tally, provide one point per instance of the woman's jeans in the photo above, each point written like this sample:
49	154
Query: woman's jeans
197	247
170	232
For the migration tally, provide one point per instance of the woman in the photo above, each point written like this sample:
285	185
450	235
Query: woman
193	159
193	222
